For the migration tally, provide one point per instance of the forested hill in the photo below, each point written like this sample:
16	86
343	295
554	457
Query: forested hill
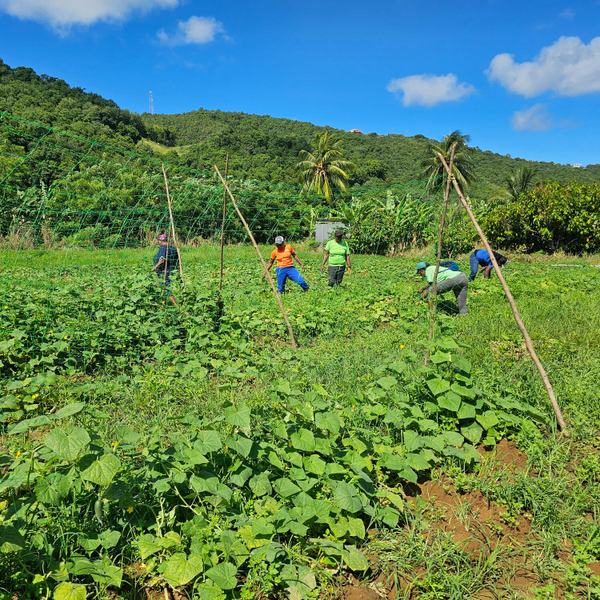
266	148
261	147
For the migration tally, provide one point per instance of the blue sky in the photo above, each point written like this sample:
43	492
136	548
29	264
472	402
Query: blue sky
522	78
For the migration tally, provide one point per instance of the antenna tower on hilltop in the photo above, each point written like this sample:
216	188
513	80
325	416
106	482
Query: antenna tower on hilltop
151	106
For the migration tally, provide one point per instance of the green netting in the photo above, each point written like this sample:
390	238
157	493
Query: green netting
78	225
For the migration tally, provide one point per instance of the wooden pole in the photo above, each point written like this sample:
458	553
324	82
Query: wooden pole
237	210
173	232
528	342
223	223
433	301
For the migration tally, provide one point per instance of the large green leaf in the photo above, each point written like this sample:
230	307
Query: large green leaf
387	383
67	443
328	421
239	416
69	591
284	487
450	402
488	419
179	569
240	444
32	423
303	440
260	484
10	539
467	411
102	470
346	497
472	432
355	559
314	464
438	386
69	410
208	441
223	575
460	362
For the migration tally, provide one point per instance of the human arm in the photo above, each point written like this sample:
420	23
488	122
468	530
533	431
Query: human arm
325	259
269	265
160	262
294	257
487	271
348	263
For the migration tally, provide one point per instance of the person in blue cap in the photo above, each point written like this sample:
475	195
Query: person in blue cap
481	258
447	280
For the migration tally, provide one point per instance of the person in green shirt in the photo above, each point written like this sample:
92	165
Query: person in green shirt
338	254
447	280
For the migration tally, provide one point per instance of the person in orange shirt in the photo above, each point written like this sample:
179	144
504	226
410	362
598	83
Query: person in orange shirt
284	255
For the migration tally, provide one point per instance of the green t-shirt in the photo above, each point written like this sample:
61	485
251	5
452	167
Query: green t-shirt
443	274
337	253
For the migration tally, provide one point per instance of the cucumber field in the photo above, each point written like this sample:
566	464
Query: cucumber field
156	451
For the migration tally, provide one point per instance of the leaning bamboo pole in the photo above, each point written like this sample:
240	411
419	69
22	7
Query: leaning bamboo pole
173	232
262	260
223	223
433	301
528	342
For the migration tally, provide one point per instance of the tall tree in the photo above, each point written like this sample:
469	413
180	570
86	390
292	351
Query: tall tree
432	166
324	169
519	181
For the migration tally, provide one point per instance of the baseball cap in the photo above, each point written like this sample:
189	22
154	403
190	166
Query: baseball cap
162	237
339	232
421	265
279	239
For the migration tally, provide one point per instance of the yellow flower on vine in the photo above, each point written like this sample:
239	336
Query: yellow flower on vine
130	509
18	454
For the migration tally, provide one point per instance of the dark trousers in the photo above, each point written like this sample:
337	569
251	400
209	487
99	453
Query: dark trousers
460	286
336	274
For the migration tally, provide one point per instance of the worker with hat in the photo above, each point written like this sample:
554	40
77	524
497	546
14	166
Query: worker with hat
285	256
338	254
447	280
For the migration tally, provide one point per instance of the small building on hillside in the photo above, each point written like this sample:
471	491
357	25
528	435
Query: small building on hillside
578	166
355	131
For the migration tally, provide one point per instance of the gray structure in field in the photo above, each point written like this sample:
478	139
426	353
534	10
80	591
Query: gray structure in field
324	229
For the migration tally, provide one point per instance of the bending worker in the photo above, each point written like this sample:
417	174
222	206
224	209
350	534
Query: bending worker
481	258
338	253
284	255
447	280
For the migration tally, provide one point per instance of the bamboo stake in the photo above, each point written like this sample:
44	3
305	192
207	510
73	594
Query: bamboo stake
173	232
223	223
433	301
264	264
528	342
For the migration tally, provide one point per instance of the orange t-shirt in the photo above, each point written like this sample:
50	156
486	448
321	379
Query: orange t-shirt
283	256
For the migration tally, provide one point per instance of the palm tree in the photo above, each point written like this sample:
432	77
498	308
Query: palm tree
462	169
519	181
323	170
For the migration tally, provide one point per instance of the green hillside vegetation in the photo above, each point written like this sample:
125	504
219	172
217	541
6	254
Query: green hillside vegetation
266	148
262	148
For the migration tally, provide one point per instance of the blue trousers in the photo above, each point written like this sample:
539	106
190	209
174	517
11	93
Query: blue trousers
289	273
474	263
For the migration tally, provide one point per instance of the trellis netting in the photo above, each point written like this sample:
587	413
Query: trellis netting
79	221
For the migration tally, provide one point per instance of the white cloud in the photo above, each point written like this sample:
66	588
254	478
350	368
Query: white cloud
568	13
429	90
568	67
62	14
535	118
196	30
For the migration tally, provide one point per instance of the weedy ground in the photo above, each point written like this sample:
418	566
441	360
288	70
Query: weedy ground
91	330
